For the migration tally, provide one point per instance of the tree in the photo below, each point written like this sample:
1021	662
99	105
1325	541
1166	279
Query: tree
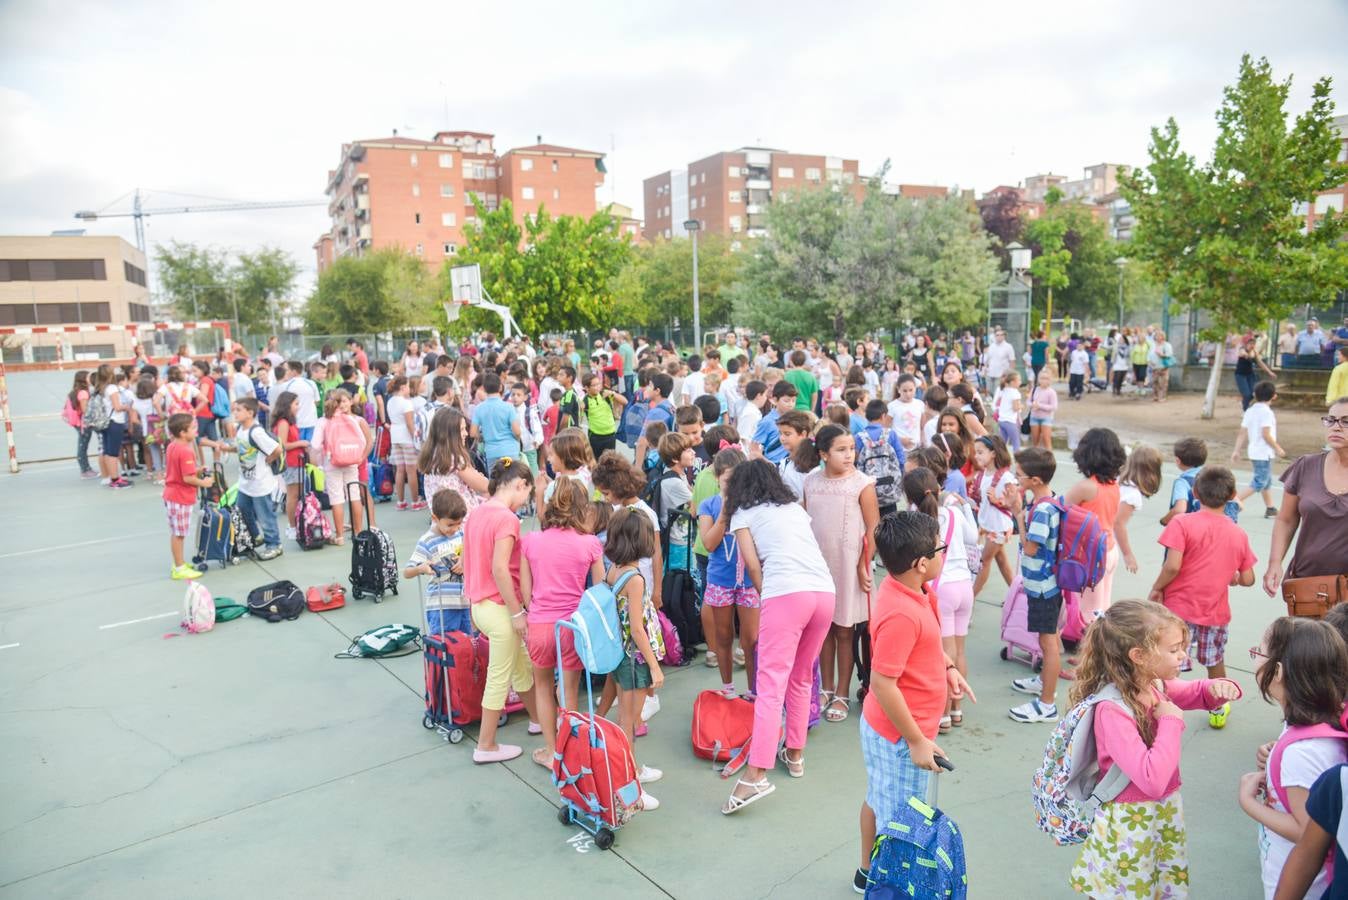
207	283
1001	219
555	274
262	280
950	261
656	285
1225	237
379	291
1091	278
1050	264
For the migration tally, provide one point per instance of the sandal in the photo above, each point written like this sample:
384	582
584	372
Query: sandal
735	803
837	715
944	726
957	717
794	767
337	541
543	758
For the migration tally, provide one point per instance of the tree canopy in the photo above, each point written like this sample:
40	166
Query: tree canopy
656	284
206	282
386	289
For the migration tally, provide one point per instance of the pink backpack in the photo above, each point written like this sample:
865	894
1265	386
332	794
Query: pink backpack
344	441
71	413
198	608
1289	737
673	646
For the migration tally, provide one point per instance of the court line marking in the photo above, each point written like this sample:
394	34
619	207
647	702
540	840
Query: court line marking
107	540
8	646
134	621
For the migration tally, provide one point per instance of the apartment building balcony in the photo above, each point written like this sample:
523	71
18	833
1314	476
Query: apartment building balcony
759	184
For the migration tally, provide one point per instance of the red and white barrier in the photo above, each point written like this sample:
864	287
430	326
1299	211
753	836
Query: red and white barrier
139	326
9	424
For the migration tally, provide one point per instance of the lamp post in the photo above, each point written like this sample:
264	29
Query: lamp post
692	226
1121	262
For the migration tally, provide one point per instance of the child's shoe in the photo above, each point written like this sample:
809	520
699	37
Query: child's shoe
183	572
1034	711
861	880
535	728
1217	717
1032	685
401	505
710	660
739	656
419	505
641	730
291	534
648	774
267	553
1270	512
649	803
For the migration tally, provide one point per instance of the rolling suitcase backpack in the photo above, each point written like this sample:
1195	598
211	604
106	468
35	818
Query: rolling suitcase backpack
374	561
215	533
312	528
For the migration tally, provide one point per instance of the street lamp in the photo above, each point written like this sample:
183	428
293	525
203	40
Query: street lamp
692	226
1121	262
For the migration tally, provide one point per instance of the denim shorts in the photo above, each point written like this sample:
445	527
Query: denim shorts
1035	420
1263	476
891	776
208	427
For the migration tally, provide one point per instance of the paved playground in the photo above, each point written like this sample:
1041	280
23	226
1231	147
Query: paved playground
139	761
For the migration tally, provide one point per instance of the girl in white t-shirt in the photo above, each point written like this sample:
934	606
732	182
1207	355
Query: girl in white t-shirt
997	502
1303	667
1140	479
1008	403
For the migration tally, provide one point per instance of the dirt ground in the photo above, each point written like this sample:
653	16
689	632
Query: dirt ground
1137	418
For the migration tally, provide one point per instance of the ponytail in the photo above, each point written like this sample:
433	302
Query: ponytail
806	456
923	491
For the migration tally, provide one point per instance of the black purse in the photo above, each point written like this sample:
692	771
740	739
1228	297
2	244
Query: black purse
1025	422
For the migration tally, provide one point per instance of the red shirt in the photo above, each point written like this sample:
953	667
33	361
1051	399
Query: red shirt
906	645
486	525
181	460
205	394
362	361
1214	548
550	421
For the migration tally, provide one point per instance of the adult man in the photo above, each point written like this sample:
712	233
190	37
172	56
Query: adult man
629	355
1001	357
730	347
358	357
1310	344
273	352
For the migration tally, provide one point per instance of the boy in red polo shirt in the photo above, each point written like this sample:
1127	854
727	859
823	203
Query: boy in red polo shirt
180	487
910	675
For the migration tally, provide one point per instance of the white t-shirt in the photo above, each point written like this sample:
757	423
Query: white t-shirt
907	421
1081	362
747	422
786	548
256	478
1000	358
645	565
398	407
872	382
694	386
990	518
792	477
929	430
1302	763
110	392
242	386
963	535
306	400
1130	493
545	392
674	493
144	409
1258	417
1005	403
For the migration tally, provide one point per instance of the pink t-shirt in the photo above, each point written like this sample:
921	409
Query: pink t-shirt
559	559
1214	548
484	526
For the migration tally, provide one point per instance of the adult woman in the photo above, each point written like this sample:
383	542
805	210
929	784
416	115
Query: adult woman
1162	357
1315	492
920	356
412	362
1247	357
1039	354
783	561
140	360
1060	354
1119	368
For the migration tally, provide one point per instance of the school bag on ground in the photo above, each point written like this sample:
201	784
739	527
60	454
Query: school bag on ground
919	852
374	561
1068	789
722	731
227	610
598	637
678	593
276	601
98	412
215	533
198	608
879	461
673	645
325	598
383	642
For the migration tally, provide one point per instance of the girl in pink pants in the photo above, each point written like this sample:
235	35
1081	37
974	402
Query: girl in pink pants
783	561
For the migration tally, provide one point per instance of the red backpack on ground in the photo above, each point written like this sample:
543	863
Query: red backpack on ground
344	440
722	730
593	768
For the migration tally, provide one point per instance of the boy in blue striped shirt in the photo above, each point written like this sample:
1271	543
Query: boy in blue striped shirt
1038	574
439	555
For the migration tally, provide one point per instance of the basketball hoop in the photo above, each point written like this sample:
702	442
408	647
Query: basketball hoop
453	308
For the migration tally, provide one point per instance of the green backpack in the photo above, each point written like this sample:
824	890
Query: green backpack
226	610
383	642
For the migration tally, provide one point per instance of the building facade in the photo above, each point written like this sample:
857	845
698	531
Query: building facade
1333	199
416	194
71	280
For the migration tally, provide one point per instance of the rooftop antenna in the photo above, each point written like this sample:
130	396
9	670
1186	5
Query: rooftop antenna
538	139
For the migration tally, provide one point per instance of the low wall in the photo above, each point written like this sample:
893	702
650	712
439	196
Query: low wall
1296	387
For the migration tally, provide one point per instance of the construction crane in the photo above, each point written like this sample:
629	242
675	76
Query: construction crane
139	212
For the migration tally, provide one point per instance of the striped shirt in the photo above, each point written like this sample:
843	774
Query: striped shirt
445	589
1038	573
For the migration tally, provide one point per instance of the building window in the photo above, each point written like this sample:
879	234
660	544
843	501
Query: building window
1327	202
451	248
416	190
812	174
733	172
786	172
420	250
417	216
556	194
527	193
735	224
134	273
446	160
60	270
449	220
554	165
413	159
446	190
735	196
526	165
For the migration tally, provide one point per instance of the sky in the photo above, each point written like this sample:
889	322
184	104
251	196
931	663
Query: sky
252	101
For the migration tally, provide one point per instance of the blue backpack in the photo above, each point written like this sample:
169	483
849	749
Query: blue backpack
599	641
1187	478
220	400
920	853
634	421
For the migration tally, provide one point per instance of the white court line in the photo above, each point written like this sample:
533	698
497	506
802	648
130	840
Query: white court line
8	646
134	621
109	540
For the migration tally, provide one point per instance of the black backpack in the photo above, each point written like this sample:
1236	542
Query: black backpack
651	494
276	601
678	590
374	561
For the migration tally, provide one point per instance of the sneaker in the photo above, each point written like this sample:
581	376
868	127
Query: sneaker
119	483
105	481
861	880
710	659
649	803
729	692
420	504
739	656
1034	711
1217	717
641	730
1270	512
183	572
535	728
401	505
267	553
89	474
502	753
290	534
648	774
1032	685
650	707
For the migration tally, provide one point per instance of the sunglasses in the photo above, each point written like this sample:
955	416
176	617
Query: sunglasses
1331	421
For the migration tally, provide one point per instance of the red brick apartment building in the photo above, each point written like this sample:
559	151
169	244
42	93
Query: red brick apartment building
410	193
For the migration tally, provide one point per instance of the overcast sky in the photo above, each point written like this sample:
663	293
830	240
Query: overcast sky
252	101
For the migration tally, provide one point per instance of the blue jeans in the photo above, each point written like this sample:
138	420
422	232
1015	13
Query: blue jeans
629	386
260	514
82	448
1245	384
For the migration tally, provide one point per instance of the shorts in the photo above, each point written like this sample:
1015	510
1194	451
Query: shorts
997	537
1207	644
891	776
542	646
112	438
208	427
336	480
443	621
292	474
719	596
956	601
632	674
402	455
179	517
1035	420
1262	474
1043	613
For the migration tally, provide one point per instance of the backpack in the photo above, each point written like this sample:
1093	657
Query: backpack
722	730
312	528
1289	737
98	413
594	770
226	610
71	413
276	601
276	460
673	646
1079	559
220	399
879	461
598	637
178	403
634	421
1067	788
383	642
344	441
919	853
651	493
678	590
374	561
198	608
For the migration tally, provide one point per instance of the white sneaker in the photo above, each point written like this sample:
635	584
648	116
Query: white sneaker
105	481
650	707
1034	711
648	802
739	656
1032	685
290	534
649	774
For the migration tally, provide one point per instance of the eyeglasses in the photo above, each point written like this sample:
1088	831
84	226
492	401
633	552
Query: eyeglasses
1256	654
940	548
1331	421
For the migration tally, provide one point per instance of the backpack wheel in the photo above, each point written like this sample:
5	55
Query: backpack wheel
1004	653
564	814
427	722
455	735
505	717
1039	665
356	593
604	839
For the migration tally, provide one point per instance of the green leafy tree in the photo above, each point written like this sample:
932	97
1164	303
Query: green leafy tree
656	285
379	291
1091	288
949	260
1226	237
1050	265
209	283
263	280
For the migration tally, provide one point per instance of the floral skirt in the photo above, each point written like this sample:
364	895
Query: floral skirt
1135	850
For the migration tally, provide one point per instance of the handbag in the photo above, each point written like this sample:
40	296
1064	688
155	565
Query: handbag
1313	595
1025	422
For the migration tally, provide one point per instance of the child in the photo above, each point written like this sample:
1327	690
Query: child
630	540
751	412
1035	467
568	457
934	400
905	412
257	482
767	436
970	407
445	463
1324	813
180	484
689	421
339	420
658	391
1206	554
677	455
1132	646
439	556
873	444
108	384
1043	404
855	399
1099	458
952	423
491	571
1190	455
1259	429
911	676
403	453
1140	479
952	449
651	435
996	495
495	423
728	591
705	486
531	429
288	435
793	428
1303	666
555	566
1078	368
1008	405
954	586
552	415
